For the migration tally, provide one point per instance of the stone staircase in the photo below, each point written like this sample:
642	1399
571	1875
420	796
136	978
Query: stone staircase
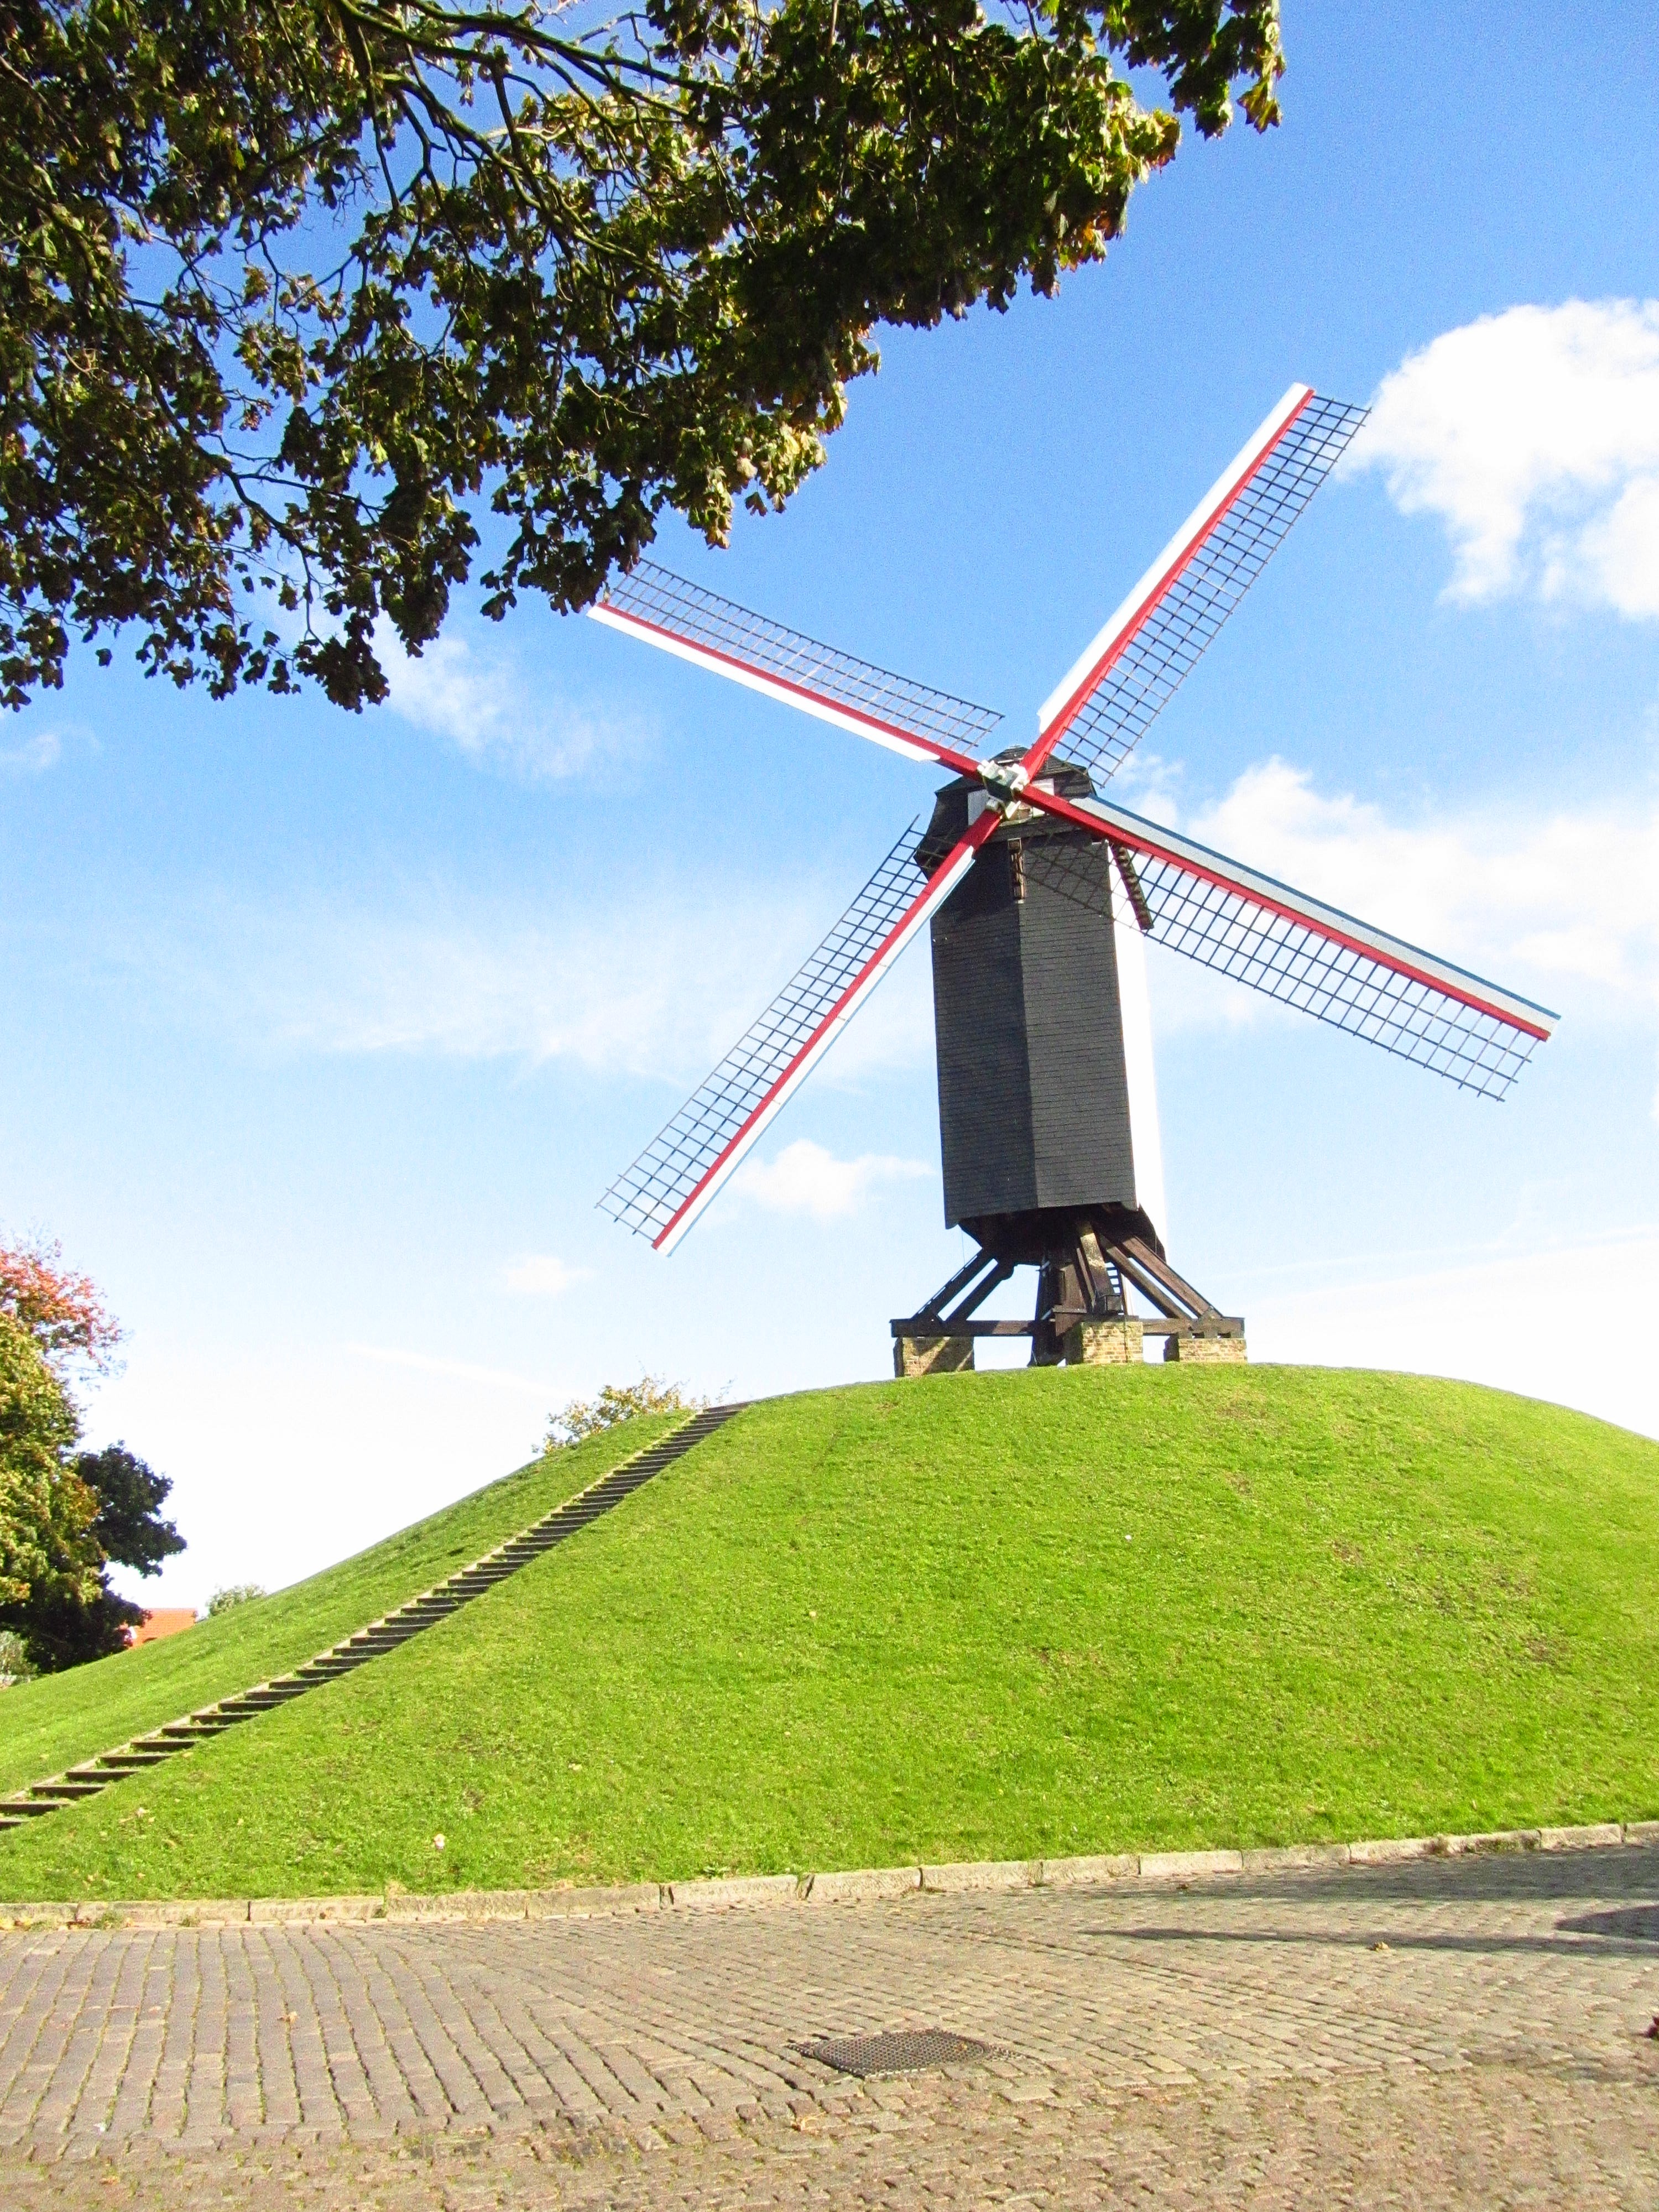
437	1604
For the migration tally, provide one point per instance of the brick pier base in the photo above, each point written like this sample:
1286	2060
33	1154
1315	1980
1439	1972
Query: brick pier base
1104	1344
932	1355
1211	1350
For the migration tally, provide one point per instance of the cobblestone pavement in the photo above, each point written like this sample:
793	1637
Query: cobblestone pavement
1461	2032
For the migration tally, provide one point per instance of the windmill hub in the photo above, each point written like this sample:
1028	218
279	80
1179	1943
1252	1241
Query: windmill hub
1038	889
1005	776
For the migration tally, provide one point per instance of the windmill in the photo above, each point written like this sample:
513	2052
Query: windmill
1037	888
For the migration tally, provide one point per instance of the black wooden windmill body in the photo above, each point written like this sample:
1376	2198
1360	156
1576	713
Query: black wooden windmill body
1037	888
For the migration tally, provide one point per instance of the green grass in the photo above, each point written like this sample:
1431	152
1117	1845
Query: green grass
980	1616
47	1725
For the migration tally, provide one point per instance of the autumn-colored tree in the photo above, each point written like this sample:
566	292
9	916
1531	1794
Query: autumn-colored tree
47	1512
300	297
64	1313
62	1517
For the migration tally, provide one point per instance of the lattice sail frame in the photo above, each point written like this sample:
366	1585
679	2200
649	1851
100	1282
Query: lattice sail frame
1216	911
1106	701
698	625
1306	954
693	1156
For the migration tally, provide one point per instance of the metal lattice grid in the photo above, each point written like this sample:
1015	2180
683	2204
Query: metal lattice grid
1342	984
647	1196
699	617
1152	663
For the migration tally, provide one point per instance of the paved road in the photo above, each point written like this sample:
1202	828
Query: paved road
1463	2033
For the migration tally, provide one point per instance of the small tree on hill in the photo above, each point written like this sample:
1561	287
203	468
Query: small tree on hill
233	1595
616	1401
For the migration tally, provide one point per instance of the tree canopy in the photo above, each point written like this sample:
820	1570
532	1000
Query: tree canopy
65	1516
618	1402
296	293
129	1526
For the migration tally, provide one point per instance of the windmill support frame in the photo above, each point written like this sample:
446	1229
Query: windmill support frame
1086	1264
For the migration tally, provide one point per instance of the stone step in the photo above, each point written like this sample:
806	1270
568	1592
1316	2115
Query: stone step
64	1791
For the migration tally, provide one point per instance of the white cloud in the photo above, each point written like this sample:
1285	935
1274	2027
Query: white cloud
34	756
1535	435
490	712
805	1178
1562	906
544	1275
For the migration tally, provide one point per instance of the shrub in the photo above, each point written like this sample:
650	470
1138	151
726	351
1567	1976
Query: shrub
14	1659
234	1594
616	1401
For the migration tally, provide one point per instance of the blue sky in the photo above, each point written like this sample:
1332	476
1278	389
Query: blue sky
324	1034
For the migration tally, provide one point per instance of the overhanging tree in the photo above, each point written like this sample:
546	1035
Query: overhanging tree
292	291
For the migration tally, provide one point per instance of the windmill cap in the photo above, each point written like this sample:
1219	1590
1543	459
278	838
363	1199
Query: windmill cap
954	808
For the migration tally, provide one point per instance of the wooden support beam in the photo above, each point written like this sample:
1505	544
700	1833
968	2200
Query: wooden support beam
1176	1285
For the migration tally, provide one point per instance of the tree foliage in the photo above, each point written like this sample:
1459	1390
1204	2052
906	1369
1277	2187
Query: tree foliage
64	1517
63	1314
233	1595
15	1665
129	1526
47	1511
616	1401
294	292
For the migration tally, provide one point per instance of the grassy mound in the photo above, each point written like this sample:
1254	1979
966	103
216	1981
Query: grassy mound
49	1724
982	1616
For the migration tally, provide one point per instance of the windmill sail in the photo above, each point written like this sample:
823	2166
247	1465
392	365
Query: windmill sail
1106	702
682	619
679	1172
1214	910
1311	956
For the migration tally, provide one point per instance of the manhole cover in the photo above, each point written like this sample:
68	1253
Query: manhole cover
905	2051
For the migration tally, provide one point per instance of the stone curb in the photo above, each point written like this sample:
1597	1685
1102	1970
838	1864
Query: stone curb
861	1886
